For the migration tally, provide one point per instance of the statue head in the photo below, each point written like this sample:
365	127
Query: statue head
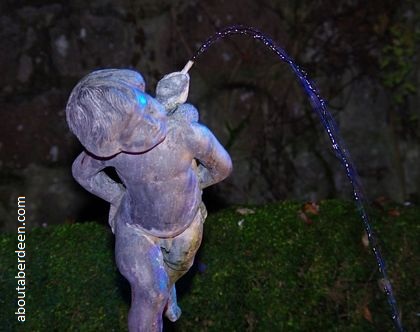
109	112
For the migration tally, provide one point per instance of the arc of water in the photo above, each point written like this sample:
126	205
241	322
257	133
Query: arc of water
320	108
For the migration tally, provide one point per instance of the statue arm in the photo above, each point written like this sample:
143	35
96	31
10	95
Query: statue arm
215	163
88	172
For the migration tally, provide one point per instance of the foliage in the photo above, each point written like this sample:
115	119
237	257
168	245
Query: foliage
279	267
397	60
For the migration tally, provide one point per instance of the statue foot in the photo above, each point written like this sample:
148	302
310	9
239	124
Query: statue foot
173	312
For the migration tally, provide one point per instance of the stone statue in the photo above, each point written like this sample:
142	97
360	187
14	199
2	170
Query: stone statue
164	159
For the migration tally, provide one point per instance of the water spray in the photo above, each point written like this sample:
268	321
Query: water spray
320	108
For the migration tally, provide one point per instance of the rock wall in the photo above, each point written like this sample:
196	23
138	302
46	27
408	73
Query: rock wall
245	95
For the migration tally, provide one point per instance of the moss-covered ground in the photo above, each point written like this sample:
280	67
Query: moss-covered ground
279	267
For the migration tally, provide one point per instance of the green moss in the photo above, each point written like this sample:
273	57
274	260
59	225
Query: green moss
72	282
267	271
278	273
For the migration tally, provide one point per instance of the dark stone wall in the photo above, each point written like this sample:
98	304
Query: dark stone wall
246	95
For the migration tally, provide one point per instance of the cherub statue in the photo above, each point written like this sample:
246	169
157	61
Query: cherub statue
164	159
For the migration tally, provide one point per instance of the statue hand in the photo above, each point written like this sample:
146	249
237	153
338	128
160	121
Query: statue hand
115	205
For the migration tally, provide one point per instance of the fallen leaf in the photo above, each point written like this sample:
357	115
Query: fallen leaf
311	208
394	213
305	218
248	253
245	211
381	201
367	314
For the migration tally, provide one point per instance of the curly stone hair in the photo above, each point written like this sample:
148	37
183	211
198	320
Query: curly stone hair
98	108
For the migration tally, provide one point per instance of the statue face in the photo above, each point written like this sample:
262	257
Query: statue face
145	126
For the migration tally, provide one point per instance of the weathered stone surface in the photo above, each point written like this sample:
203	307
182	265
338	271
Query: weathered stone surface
243	92
52	197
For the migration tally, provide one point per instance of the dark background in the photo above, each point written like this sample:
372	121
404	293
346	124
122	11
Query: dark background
362	56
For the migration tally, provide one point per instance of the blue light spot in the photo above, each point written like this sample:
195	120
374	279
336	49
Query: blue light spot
142	100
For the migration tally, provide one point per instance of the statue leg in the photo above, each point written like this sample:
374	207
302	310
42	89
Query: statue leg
178	255
139	259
